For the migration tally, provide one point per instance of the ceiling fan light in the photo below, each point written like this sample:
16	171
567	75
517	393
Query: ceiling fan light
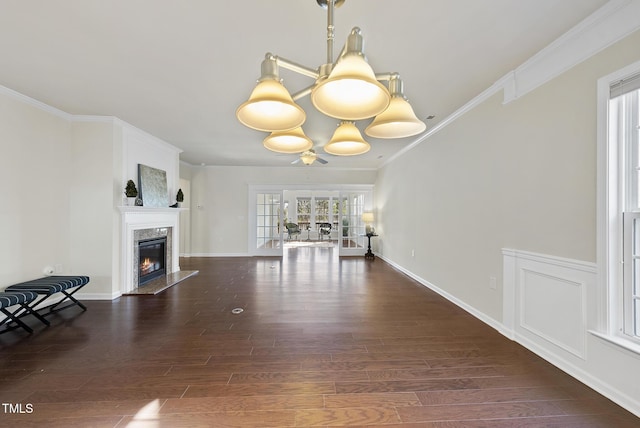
292	141
347	141
308	157
397	121
270	108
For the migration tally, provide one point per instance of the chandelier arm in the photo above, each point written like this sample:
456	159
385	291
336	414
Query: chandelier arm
386	76
302	92
297	68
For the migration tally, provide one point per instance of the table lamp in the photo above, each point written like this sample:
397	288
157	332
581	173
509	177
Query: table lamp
368	220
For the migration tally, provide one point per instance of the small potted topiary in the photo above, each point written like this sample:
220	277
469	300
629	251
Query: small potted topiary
179	197
131	192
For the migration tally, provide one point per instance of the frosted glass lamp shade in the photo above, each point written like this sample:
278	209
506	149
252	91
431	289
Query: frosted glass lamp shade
347	141
351	91
270	108
397	121
367	217
293	141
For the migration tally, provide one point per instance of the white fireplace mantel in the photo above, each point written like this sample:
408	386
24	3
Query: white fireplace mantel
138	218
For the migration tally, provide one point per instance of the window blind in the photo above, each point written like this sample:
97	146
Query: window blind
625	86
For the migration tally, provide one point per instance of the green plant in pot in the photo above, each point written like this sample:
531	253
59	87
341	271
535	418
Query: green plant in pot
179	197
131	192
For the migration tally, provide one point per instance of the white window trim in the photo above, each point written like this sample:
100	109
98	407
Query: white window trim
609	298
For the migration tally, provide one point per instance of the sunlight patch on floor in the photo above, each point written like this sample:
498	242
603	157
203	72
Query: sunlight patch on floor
147	417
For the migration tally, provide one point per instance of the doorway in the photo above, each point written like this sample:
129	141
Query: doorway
314	215
311	216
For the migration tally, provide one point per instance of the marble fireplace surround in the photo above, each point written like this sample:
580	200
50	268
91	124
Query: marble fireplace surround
140	223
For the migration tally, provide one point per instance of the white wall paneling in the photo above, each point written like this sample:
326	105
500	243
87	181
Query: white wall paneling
546	298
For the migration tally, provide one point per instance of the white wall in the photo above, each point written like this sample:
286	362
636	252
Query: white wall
140	147
219	200
185	217
92	215
522	176
36	176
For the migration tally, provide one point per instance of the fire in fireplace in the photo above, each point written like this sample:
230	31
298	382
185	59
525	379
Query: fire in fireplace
152	259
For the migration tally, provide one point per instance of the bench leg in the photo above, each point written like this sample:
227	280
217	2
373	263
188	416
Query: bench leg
11	317
68	296
29	309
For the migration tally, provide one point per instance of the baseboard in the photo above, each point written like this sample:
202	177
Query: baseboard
603	388
543	291
470	309
626	401
97	296
215	255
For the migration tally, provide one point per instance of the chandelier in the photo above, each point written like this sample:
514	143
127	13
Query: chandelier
347	90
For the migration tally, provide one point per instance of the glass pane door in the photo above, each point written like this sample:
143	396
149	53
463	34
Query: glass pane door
268	220
352	239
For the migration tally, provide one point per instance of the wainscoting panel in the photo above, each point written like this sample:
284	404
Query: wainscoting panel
553	308
545	302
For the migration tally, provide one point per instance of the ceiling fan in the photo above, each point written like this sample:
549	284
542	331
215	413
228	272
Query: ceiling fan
308	157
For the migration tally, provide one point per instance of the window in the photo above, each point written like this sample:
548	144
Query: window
623	116
619	204
303	212
322	210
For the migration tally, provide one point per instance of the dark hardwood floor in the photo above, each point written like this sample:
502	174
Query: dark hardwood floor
321	342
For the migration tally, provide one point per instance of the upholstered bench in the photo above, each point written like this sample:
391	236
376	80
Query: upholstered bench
22	300
47	287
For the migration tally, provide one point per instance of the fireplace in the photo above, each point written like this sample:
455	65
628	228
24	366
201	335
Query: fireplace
143	224
152	259
151	254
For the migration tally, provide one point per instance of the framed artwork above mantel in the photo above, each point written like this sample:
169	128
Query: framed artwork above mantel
153	187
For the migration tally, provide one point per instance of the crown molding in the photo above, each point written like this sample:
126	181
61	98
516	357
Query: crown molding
476	101
611	23
25	99
93	119
130	132
128	129
35	103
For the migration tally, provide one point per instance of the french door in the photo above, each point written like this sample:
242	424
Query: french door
266	223
343	208
352	240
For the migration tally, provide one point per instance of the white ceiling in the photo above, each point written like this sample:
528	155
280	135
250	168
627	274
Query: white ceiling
179	69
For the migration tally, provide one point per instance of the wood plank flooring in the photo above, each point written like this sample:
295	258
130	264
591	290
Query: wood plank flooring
322	342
